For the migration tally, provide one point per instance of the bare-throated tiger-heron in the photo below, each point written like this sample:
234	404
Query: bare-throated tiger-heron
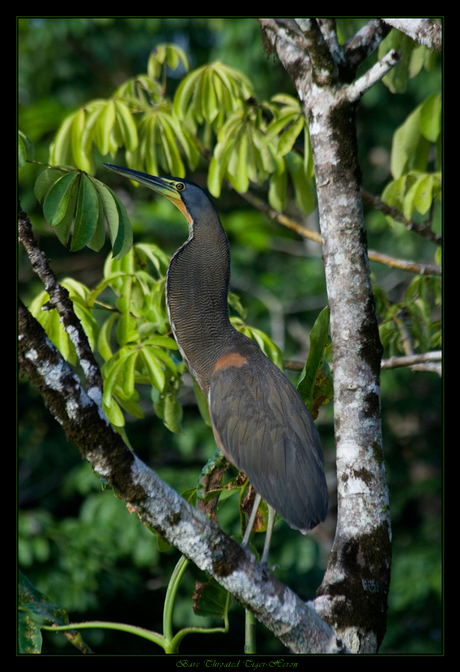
260	422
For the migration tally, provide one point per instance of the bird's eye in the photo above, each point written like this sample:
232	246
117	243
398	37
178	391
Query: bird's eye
180	186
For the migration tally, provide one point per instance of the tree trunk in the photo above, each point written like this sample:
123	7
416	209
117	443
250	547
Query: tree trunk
353	595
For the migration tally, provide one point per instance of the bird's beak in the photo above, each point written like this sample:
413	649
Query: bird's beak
159	184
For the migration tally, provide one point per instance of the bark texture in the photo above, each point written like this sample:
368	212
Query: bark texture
353	595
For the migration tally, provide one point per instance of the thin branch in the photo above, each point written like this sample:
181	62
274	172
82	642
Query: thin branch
328	28
419	362
289	223
357	88
424	31
403	265
415	361
410	225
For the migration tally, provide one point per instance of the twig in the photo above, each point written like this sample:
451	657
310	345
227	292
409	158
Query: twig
289	223
357	88
412	360
410	225
422	362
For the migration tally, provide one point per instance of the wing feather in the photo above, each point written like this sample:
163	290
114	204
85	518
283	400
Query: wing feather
266	431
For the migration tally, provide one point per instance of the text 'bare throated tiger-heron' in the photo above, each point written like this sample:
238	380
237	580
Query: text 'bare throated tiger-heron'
260	422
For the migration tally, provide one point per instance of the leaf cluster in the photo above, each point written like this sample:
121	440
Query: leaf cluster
410	324
214	111
79	206
414	187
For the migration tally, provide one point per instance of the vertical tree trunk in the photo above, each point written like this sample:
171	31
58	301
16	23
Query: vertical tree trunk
353	595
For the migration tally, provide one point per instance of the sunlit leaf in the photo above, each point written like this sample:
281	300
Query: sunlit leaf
127	125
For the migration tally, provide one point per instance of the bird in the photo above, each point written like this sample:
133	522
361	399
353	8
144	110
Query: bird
259	420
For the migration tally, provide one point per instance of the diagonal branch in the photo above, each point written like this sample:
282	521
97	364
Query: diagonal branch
421	229
373	255
59	299
293	621
372	76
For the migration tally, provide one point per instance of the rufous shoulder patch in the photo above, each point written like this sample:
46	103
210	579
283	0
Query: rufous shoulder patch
230	359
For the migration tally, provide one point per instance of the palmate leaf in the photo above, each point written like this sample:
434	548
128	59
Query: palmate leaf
163	141
210	93
73	198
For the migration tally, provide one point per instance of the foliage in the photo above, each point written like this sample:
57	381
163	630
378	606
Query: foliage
247	142
36	612
413	187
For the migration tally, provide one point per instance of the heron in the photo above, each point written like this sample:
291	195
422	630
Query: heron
259	420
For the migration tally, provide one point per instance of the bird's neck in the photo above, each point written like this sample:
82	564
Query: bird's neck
197	296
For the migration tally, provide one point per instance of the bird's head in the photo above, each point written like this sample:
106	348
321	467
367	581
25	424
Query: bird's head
187	196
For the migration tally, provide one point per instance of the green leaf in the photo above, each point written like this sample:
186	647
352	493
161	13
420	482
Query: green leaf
305	195
237	165
110	208
155	372
168	409
263	341
289	136
64	227
86	215
410	149
103	342
423	196
213	600
277	191
80	157
127	126
167	132
104	127
57	198
113	372
128	374
124	240
308	379
184	93
61	147
25	149
431	117
45	181
210	107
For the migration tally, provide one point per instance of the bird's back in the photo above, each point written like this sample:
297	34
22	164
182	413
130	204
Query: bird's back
264	428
